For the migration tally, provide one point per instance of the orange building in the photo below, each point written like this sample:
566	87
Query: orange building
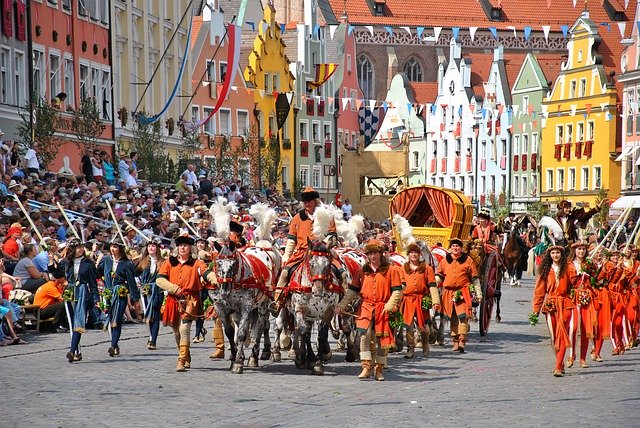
227	149
71	54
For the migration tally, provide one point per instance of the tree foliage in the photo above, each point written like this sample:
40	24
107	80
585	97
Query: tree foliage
153	162
270	161
46	121
87	125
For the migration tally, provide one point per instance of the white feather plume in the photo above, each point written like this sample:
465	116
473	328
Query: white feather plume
263	215
555	231
404	229
356	227
322	219
221	213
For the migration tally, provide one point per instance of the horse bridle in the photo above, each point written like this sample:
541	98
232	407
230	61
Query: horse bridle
308	265
227	257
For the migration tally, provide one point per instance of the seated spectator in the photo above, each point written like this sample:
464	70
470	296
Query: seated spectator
28	273
7	316
49	297
8	282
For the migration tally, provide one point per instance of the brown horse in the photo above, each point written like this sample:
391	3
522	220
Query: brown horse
512	255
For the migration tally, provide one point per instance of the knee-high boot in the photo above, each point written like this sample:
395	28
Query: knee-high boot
411	340
425	342
218	340
366	369
182	357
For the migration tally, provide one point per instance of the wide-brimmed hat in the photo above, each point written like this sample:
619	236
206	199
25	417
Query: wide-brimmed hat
580	244
555	247
236	227
185	239
123	200
309	194
12	184
374	246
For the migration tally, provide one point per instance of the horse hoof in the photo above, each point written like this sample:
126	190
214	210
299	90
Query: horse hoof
237	368
253	362
276	357
292	354
498	318
285	343
326	357
318	370
265	356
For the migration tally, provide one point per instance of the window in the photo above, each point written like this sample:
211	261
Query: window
326	133
525	186
84	81
366	77
597	177
95	81
54	75
304	175
68	81
223	70
559	134
195	113
413	70
452	182
211	71
534	142
493	184
243	123
534	184
472	185
549	180
267	82
415	160
105	94
461	184
20	78
5	68
569	133
503	183
225	122
525	104
276	82
244	170
273	126
82	10
585	178
349	68
560	179
516	144
582	91
66	5
208	127
591	131
572	89
483	184
580	134
572	179
316	177
441	181
304	131
525	144
516	185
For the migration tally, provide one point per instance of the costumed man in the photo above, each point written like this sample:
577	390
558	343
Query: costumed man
300	232
380	288
507	227
456	273
418	280
569	220
181	276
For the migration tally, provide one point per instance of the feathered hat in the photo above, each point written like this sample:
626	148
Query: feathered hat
484	213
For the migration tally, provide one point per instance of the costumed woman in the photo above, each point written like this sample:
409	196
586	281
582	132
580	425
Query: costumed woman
602	300
552	296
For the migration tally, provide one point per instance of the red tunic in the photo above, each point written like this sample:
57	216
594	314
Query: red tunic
417	283
557	302
457	275
584	295
187	276
487	235
375	292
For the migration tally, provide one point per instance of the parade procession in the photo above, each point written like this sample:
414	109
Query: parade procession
293	212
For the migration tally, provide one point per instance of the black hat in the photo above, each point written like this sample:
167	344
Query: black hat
236	227
455	241
184	239
309	194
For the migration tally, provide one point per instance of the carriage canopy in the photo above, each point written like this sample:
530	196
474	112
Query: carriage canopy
436	214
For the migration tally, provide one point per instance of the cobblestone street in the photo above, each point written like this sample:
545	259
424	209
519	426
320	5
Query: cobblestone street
504	379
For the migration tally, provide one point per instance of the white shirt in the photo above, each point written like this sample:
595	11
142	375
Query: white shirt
346	209
32	159
191	177
123	169
131	181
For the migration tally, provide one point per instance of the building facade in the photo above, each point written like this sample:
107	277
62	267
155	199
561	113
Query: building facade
580	139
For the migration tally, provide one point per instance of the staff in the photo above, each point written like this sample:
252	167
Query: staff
64	214
619	225
615	225
137	231
195	232
33	226
115	221
633	237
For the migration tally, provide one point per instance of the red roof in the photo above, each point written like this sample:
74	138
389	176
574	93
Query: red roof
424	92
195	29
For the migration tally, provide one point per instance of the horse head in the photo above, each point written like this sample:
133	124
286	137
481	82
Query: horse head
227	265
318	265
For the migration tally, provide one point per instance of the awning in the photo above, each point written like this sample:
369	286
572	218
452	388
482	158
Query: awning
626	201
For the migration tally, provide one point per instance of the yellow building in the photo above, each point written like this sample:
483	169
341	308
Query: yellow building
268	72
579	138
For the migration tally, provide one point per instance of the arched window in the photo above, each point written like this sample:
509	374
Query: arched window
413	70
365	76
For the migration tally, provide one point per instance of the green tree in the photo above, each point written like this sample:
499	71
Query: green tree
153	163
191	145
603	215
87	125
45	123
270	161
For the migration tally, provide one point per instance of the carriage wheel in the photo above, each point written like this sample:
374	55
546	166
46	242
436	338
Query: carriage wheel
488	292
